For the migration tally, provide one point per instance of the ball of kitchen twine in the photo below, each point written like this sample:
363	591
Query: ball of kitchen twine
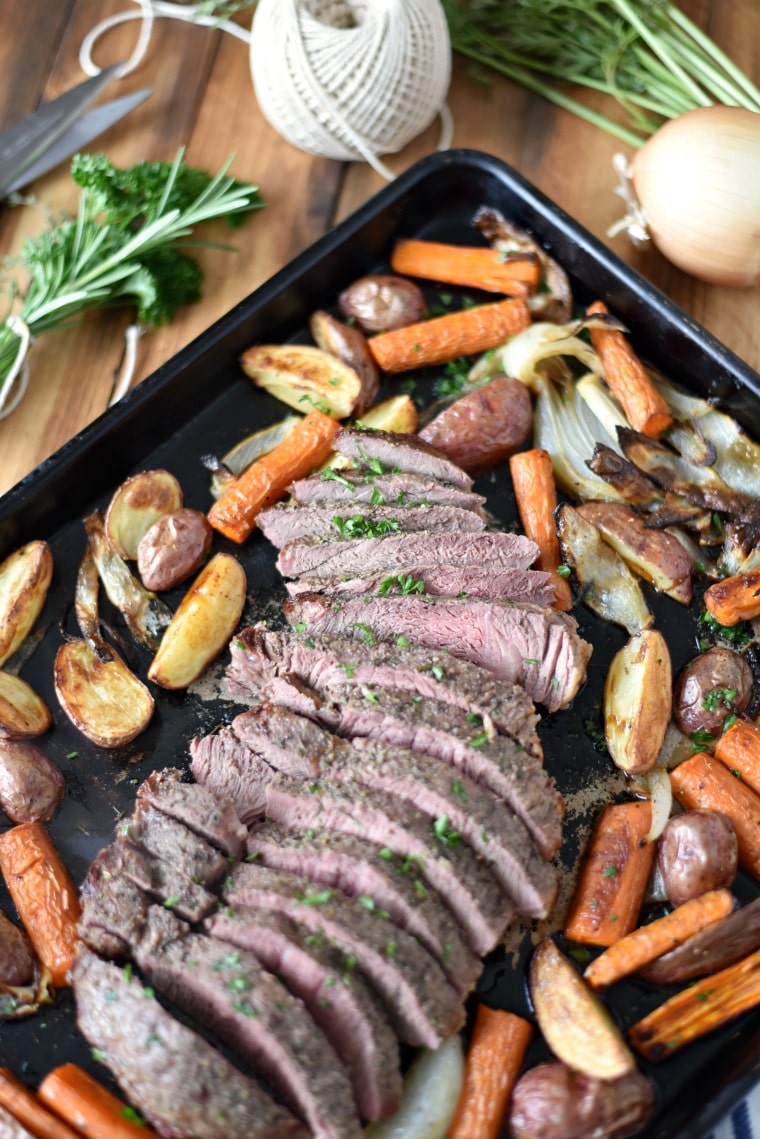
351	79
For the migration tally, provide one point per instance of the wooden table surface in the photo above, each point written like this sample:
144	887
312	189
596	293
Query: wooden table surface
203	99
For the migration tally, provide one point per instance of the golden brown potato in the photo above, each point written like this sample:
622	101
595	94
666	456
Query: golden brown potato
304	377
136	505
638	702
25	578
103	699
23	714
349	345
483	428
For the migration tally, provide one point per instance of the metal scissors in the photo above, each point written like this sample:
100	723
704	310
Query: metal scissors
58	129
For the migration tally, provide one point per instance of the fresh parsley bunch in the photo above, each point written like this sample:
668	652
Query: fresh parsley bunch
124	247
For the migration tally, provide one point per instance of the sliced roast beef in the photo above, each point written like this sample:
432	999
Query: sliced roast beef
250	1010
289	522
396	488
461	810
419	1001
373	877
165	883
163	838
437	581
183	1086
530	645
390	554
209	815
114	909
378	451
401	831
226	767
339	1001
258	654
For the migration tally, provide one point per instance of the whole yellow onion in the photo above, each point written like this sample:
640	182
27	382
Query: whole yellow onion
698	182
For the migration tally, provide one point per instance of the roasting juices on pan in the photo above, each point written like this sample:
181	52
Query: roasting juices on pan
286	934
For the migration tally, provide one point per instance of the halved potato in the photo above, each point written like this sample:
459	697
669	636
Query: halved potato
304	377
575	1023
102	698
23	714
25	578
638	702
136	505
350	345
203	624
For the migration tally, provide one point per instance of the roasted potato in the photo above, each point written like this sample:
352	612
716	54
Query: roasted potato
173	548
575	1023
638	702
304	377
551	1101
136	505
31	786
382	302
349	345
23	714
719	945
203	624
25	578
102	698
17	961
697	851
710	687
483	428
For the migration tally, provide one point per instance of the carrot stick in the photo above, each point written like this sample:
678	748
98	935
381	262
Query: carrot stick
24	1106
645	408
536	498
648	942
701	1008
735	599
80	1099
497	1049
614	875
444	338
476	267
44	895
739	749
265	481
704	781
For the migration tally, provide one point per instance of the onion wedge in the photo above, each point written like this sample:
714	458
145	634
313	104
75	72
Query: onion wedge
431	1092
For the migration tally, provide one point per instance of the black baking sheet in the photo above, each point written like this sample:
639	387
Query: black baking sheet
200	403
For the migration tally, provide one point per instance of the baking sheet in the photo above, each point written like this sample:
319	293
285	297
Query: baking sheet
200	403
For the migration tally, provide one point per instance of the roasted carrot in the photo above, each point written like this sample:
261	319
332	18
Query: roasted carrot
24	1106
474	267
497	1049
643	945
645	408
704	781
82	1101
536	498
444	338
699	1009
739	749
613	877
266	480
44	895
734	599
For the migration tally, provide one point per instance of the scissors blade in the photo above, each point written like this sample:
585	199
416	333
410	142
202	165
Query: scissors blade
24	142
84	130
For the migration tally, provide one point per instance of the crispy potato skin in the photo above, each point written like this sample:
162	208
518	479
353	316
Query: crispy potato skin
173	549
697	851
483	428
16	955
23	713
349	345
31	786
103	699
382	302
702	699
638	701
553	1102
25	578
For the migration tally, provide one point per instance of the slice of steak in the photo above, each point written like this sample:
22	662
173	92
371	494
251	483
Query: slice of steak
530	645
420	1003
460	809
390	554
114	909
289	522
395	488
437	581
209	815
164	838
360	870
256	1015
183	1086
398	829
378	451
339	1001
226	767
165	883
258	654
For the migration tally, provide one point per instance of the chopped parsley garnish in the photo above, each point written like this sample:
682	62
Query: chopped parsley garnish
719	696
332	476
300	627
437	671
403	583
445	834
320	898
701	738
359	526
479	740
402	642
458	788
366	634
376	498
610	872
455	379
734	634
348	670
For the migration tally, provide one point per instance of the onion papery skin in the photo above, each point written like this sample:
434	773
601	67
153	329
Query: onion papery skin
698	182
